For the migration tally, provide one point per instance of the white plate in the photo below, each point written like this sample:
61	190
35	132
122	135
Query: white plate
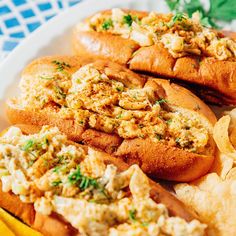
54	38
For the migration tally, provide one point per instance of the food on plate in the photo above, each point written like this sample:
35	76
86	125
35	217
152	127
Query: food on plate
59	187
213	196
167	45
213	199
224	133
160	126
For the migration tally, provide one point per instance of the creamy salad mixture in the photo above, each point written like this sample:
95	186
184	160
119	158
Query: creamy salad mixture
56	176
96	101
178	33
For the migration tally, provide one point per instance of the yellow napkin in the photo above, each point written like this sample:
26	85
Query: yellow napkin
4	230
10	226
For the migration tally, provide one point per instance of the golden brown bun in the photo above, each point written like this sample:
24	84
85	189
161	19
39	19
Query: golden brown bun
210	74
169	161
185	162
54	224
48	225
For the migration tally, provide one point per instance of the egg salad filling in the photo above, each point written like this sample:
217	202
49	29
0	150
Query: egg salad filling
97	199
178	33
96	101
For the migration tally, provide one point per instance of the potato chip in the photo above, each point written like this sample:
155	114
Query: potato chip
221	135
232	127
214	200
223	163
231	174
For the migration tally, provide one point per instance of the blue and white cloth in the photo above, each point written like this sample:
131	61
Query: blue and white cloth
18	18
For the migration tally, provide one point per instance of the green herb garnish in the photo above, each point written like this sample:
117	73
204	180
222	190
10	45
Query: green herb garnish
61	65
60	92
127	19
46	77
60	159
160	101
28	145
56	169
31	162
56	183
81	122
224	10
119	116
158	136
83	182
132	215
107	24
169	121
177	140
178	17
119	89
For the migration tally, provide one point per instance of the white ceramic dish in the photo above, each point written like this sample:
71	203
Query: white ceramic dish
54	38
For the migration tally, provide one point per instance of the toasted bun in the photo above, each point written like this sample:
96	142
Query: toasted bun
47	225
175	164
211	74
55	224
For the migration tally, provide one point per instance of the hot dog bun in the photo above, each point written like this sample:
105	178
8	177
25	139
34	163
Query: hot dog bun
159	159
216	78
56	224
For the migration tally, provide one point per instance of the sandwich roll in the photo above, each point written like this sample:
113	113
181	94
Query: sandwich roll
156	124
165	45
61	188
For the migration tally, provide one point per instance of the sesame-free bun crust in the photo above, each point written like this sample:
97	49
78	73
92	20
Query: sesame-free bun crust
158	160
216	80
55	224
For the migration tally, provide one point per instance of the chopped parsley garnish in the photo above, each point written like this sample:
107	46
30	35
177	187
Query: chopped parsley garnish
177	140
169	121
60	92
60	159
83	182
132	215
31	162
28	145
44	143
56	169
178	17
160	101
127	19
56	183
107	24
46	77
119	116
158	136
119	89
81	122
61	65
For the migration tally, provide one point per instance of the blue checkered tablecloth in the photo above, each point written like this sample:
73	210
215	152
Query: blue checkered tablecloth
18	18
